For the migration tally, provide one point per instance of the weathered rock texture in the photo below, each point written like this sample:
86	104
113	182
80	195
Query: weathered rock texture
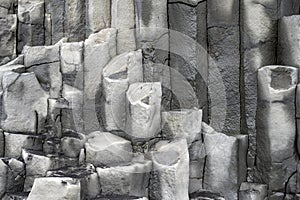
107	99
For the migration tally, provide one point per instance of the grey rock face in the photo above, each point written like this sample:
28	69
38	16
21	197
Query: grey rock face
224	50
276	133
288	47
230	153
98	15
40	55
170	176
182	124
143	109
107	149
188	48
119	73
259	39
59	188
253	191
131	180
8	36
99	50
22	92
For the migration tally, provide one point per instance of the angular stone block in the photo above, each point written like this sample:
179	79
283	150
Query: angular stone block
49	77
195	185
225	166
15	142
107	149
98	51
288	8
252	191
185	123
40	55
170	175
98	15
86	174
71	146
131	180
288	47
24	103
74	23
123	19
276	133
15	175
116	81
59	188
143	109
8	35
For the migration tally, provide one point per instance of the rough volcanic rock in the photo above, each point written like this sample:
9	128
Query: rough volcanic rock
132	179
99	49
123	19
104	148
116	81
253	191
225	165
59	188
182	124
23	93
98	15
8	35
276	134
170	175
143	109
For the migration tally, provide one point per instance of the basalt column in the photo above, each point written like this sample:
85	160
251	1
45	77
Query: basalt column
188	52
276	127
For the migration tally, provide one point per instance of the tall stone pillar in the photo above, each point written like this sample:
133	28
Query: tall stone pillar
224	55
258	45
276	126
188	49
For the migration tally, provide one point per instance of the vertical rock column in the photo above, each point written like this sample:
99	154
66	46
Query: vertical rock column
224	51
276	126
288	37
8	35
31	23
121	71
75	20
189	48
98	15
99	49
258	40
123	19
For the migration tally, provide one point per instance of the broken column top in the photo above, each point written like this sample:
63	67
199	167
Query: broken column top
104	35
276	81
144	93
125	66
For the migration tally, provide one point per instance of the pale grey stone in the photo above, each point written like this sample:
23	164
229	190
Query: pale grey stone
71	146
8	35
170	176
2	142
86	174
56	9
74	23
253	191
276	133
143	109
40	55
3	177
288	47
197	150
98	15
15	175
22	92
259	40
123	19
30	11
280	196
119	73
99	49
59	188
185	123
225	166
48	29
195	185
131	180
288	7
104	148
15	196
190	2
